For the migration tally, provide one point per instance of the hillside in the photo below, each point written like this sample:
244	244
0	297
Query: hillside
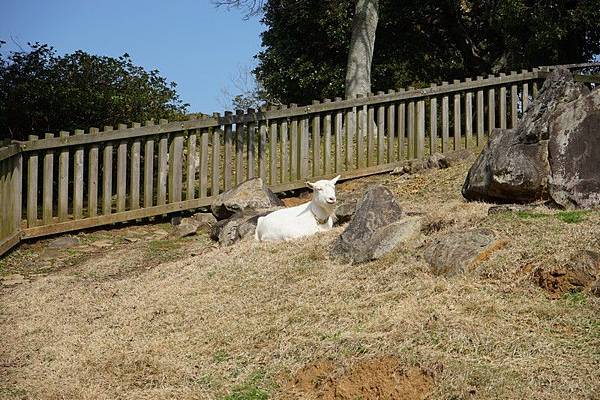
129	313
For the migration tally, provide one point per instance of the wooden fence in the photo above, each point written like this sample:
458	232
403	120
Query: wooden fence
54	184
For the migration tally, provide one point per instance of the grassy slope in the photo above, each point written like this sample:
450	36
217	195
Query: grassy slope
249	316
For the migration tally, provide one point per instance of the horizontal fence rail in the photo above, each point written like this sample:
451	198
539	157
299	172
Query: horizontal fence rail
76	180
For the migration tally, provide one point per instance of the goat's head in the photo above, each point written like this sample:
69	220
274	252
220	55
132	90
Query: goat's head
324	192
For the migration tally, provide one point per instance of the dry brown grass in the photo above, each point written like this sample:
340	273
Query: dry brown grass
253	315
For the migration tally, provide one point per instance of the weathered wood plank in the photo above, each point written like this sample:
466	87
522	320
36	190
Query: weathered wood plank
445	123
204	163
351	126
502	107
17	192
273	152
93	155
525	101
316	143
78	179
32	186
191	166
163	170
381	134
371	134
251	132
327	141
338	126
457	132
216	161
361	136
480	116
47	191
63	181
149	170
228	154
304	153
285	152
401	130
134	171
240	174
514	101
262	151
294	150
433	125
391	132
121	175
107	170
468	119
420	132
410	153
175	178
491	110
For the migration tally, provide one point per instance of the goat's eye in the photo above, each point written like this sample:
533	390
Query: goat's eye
319	189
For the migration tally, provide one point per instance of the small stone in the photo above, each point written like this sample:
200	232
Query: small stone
63	242
101	244
581	272
458	252
131	239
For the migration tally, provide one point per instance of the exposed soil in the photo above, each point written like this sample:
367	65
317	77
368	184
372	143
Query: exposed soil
372	379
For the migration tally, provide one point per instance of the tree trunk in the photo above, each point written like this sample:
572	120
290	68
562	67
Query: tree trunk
358	69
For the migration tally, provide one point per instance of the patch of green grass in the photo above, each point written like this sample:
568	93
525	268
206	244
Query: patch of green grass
220	356
571	217
251	390
575	298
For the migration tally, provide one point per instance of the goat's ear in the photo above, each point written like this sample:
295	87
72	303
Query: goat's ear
310	184
334	180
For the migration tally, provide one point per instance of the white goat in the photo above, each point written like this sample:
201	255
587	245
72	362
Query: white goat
303	220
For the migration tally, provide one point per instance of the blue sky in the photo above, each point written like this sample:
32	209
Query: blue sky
189	41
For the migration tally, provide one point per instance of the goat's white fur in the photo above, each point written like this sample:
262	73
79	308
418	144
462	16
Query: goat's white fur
303	220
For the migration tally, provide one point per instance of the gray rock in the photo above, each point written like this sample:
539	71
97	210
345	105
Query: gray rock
252	194
456	253
345	210
513	166
376	209
199	222
574	153
388	238
63	242
236	228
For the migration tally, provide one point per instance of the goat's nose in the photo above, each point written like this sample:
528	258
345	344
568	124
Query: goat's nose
331	200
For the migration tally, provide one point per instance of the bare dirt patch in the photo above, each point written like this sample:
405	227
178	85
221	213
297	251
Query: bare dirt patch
372	379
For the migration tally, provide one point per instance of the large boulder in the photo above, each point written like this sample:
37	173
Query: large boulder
459	252
252	194
513	166
376	209
574	153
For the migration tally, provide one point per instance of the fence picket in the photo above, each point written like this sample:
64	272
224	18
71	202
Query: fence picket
433	125
63	180
175	178
502	110
401	129
514	100
228	152
262	151
149	169
381	134
216	161
273	153
304	161
457	122
351	126
480	115
316	143
163	172
204	162
327	140
420	133
491	110
338	126
445	123
107	171
391	130
121	173
93	155
371	133
78	180
32	186
239	148
294	162
134	171
285	160
468	119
